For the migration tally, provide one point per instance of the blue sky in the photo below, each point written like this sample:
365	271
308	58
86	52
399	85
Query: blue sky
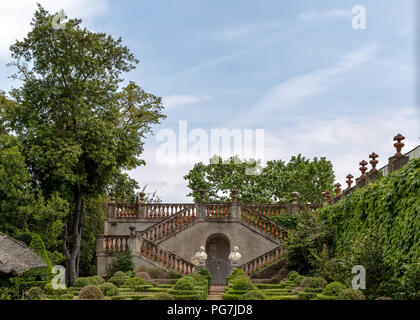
296	69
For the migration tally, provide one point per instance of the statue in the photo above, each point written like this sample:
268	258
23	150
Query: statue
235	256
201	256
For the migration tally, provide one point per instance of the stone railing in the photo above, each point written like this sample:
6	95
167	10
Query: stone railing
218	210
252	217
170	225
114	244
164	257
396	162
266	258
145	210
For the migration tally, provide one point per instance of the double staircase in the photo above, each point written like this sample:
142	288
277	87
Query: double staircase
175	218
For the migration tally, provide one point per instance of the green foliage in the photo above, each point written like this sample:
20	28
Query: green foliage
48	288
85	281
313	282
306	242
377	227
6	293
351	294
274	183
205	273
253	295
289	221
185	284
136	284
334	289
325	297
34	293
163	296
109	289
118	278
123	262
91	292
242	283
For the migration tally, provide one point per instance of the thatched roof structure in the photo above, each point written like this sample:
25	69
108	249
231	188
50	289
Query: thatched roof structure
16	257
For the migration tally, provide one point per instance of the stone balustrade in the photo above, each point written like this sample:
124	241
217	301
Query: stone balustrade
261	260
115	244
218	210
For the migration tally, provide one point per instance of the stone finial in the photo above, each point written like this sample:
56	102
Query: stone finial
363	168
398	145
295	196
202	195
373	162
234	195
337	189
132	230
349	180
326	196
142	197
111	198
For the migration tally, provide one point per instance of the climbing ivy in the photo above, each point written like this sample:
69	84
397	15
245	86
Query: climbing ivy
391	206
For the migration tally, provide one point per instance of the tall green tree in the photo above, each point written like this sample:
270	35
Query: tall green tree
77	124
258	184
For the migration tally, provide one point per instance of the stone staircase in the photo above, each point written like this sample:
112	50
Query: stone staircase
216	293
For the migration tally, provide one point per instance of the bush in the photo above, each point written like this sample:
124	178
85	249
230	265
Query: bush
334	289
6	294
316	282
238	272
96	280
206	274
253	295
123	262
34	293
118	278
137	284
143	275
242	283
185	283
67	296
91	292
48	289
324	297
163	296
351	294
109	289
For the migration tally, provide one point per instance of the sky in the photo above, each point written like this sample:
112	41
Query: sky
296	69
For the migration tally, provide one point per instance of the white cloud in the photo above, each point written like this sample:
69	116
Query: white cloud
16	15
317	14
176	100
289	93
249	29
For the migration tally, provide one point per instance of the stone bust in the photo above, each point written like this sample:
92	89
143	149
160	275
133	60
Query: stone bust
201	255
235	256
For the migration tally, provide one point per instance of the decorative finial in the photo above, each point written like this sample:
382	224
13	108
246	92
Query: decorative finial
234	195
363	169
398	145
349	181
373	162
142	197
337	189
295	195
202	195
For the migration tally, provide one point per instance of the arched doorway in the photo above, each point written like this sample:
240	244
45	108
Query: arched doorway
218	249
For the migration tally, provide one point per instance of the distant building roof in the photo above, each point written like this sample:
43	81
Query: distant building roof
16	257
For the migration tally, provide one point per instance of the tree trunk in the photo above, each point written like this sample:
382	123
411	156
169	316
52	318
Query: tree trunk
72	254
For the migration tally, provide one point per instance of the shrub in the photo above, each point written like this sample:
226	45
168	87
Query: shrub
143	275
109	289
137	284
351	294
292	275
253	295
81	282
163	296
238	272
96	280
123	262
206	274
316	282
324	297
48	289
91	292
34	293
334	289
185	283
242	283
5	294
67	296
118	278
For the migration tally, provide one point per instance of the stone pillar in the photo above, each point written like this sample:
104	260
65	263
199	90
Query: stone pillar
141	209
111	207
235	209
201	207
100	257
398	160
294	207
